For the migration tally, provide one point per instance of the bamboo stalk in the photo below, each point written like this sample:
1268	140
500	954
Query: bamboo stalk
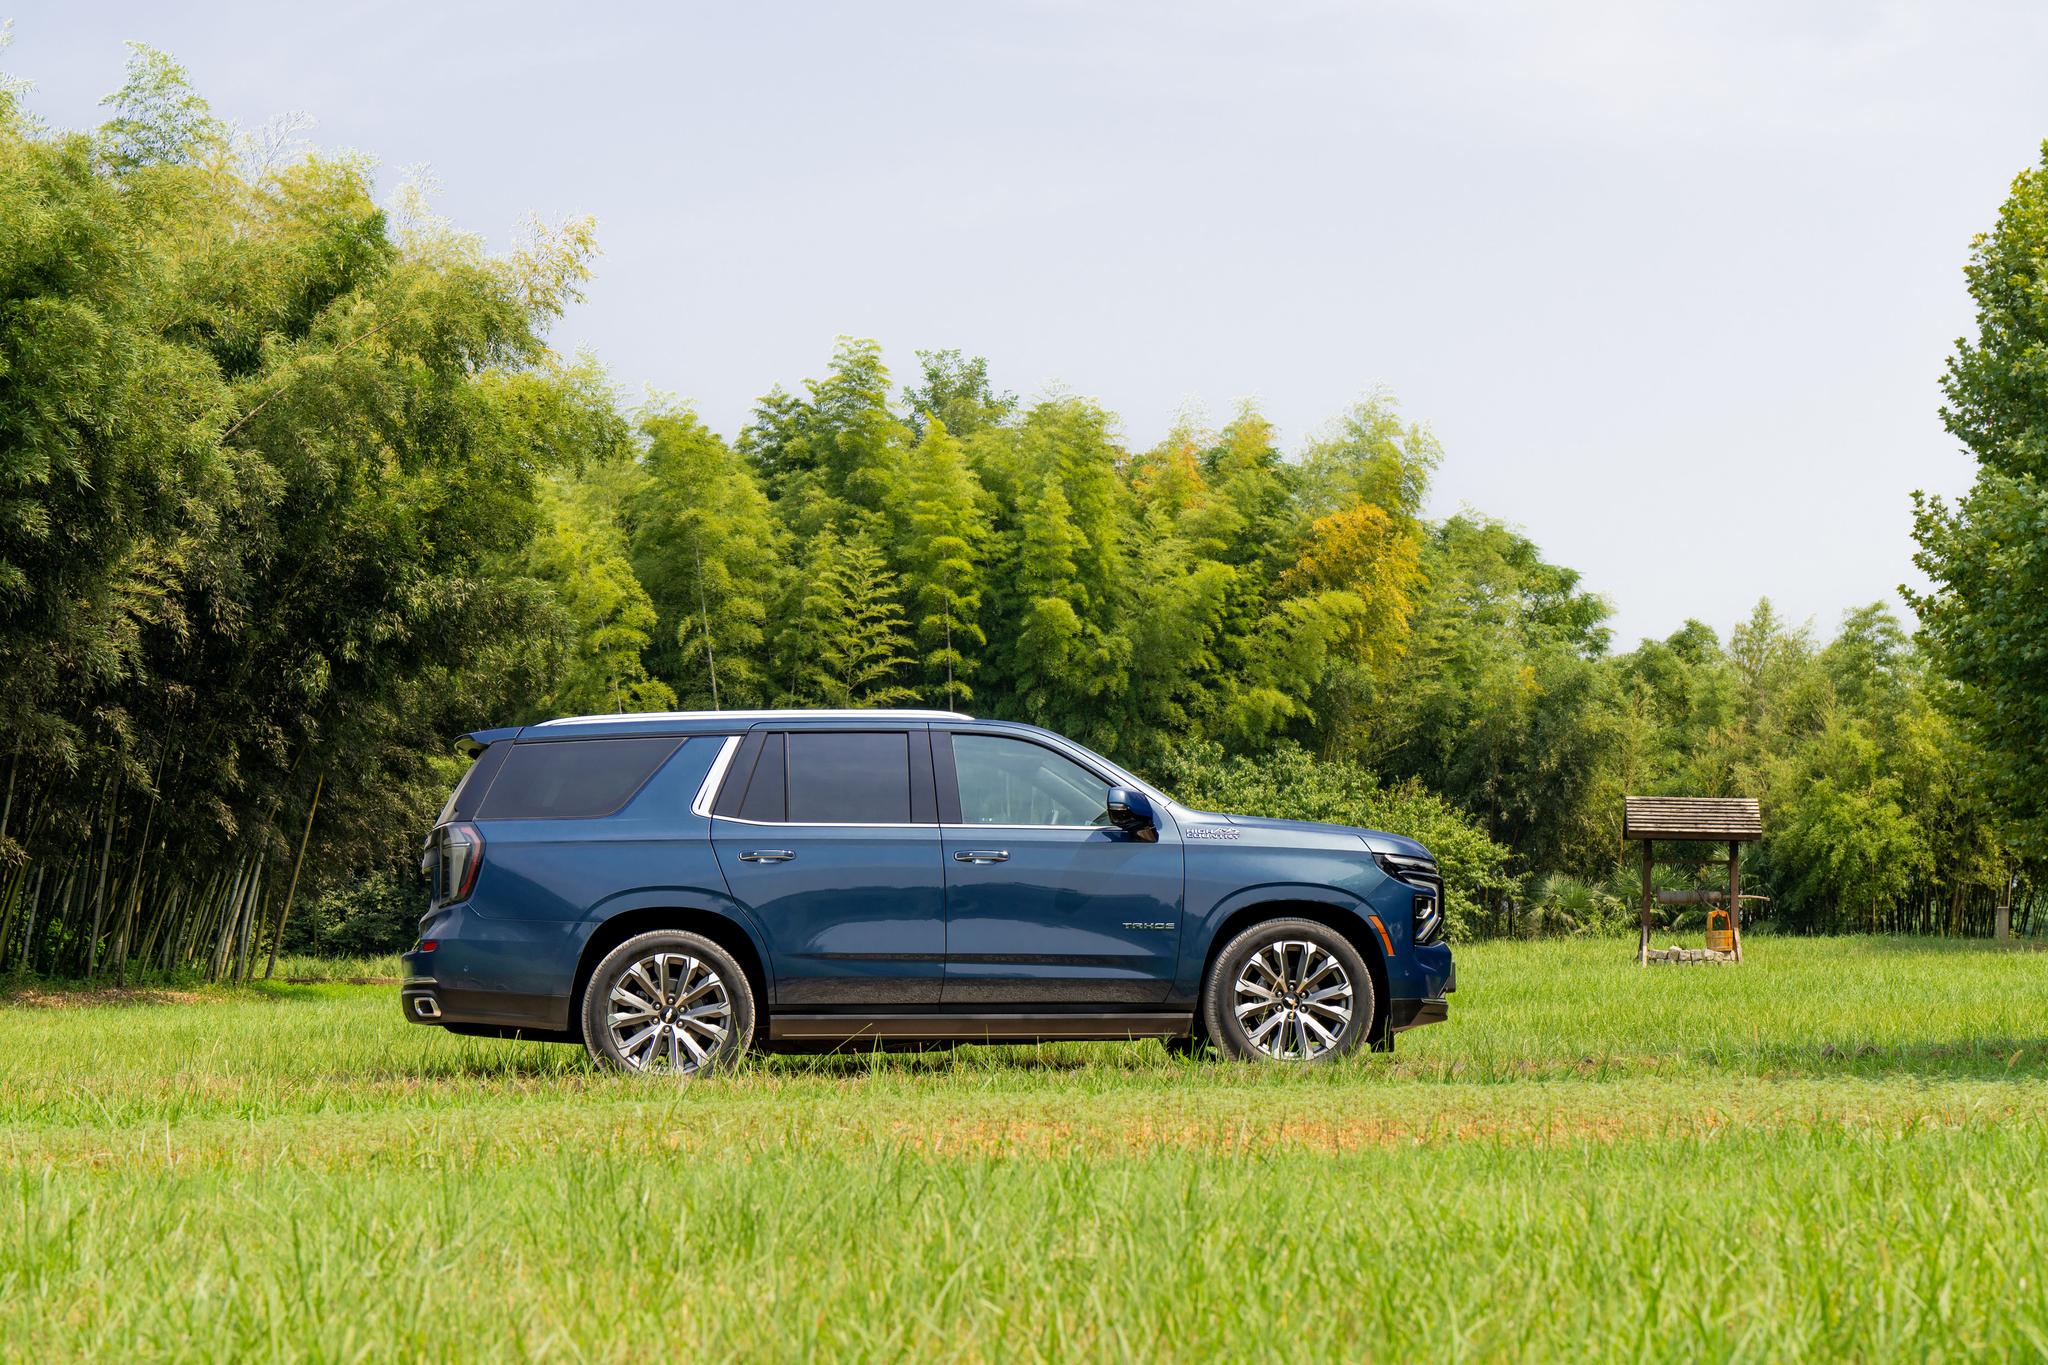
99	895
293	890
229	908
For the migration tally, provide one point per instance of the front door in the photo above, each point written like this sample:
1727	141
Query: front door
1047	903
834	847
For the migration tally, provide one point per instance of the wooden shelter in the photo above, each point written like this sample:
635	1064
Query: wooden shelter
1733	820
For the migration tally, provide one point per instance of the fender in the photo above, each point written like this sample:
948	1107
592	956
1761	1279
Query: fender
679	897
1200	934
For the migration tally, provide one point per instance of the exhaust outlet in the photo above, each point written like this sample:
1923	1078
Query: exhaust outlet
426	1007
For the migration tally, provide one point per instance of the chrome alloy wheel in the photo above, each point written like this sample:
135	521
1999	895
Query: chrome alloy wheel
1294	1000
669	1010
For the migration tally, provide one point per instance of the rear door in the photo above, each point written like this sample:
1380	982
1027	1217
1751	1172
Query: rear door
1046	902
830	838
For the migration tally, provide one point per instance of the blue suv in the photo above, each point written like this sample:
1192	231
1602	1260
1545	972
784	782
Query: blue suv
673	890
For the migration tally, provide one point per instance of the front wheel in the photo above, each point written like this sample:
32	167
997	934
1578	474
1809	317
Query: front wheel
1288	990
667	1002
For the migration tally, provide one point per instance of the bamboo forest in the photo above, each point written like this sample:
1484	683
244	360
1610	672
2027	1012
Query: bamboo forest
294	491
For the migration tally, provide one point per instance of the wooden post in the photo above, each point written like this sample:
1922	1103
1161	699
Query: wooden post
1649	898
1735	895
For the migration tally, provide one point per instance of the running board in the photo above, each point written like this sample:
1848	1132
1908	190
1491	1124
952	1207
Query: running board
1007	1028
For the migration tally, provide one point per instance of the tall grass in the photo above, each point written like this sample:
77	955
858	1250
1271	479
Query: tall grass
1831	1149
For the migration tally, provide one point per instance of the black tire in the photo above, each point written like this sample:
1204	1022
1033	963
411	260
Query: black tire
707	1006
1310	1029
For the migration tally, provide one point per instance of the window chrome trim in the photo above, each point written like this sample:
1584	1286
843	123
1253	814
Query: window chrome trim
1077	754
707	790
967	825
834	824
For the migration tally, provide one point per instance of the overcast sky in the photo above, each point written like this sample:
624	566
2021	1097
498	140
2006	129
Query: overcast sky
1673	284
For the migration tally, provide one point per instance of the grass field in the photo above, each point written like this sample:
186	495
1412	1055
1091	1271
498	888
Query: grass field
1837	1148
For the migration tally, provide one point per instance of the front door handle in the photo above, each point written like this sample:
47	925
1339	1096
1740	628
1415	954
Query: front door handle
982	855
767	855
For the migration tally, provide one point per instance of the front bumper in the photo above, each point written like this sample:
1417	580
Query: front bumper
1416	1011
1408	1014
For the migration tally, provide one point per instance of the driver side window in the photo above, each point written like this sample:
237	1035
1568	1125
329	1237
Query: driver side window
1015	782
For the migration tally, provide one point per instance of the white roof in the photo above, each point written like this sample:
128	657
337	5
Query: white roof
849	713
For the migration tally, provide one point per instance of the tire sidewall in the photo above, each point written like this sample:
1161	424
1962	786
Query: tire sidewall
597	1037
1218	1000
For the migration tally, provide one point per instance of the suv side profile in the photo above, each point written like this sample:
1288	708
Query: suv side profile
673	890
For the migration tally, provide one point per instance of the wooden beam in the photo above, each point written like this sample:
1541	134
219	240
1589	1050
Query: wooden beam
1649	899
1735	895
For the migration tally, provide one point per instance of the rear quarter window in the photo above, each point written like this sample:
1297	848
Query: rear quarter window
476	780
573	779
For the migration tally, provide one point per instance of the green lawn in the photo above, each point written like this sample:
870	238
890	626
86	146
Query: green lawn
1837	1148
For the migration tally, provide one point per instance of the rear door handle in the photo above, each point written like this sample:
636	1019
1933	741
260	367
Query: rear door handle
982	855
767	855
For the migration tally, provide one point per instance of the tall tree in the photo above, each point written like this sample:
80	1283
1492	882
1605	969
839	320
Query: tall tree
710	553
942	538
844	642
957	392
605	618
1986	618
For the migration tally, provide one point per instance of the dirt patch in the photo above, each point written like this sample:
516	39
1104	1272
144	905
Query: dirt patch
37	997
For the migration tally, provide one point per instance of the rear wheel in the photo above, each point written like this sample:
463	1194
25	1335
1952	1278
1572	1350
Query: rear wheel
669	1003
1288	990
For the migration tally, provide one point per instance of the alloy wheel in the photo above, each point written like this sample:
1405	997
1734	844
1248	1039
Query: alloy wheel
1294	1000
669	1011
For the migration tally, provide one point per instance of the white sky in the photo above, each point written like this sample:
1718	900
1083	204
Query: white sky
1673	284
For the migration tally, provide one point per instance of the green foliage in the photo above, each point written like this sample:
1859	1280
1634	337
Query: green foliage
365	917
956	391
711	556
942	541
606	616
1289	783
1986	619
845	643
292	490
1499	701
269	480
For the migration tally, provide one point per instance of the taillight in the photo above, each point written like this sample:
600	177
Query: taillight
458	853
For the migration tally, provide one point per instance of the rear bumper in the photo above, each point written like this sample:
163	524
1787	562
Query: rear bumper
418	999
486	1014
440	988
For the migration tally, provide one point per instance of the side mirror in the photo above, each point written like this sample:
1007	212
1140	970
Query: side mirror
1131	812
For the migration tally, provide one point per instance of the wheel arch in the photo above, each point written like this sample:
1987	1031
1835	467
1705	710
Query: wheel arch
1340	917
722	929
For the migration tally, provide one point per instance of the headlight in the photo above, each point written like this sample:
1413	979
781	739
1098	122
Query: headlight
1427	910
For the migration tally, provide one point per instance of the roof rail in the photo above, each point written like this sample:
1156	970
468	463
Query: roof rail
843	713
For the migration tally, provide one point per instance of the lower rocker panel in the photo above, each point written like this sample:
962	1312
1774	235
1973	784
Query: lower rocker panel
1008	1028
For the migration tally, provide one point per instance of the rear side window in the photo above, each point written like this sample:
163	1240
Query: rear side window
572	779
469	792
849	778
764	794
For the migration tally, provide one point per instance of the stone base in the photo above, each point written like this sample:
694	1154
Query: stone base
1688	955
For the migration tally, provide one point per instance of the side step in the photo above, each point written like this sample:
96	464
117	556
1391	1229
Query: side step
972	1028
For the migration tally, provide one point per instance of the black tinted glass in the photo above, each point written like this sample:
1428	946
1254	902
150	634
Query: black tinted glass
469	792
849	779
764	793
572	778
